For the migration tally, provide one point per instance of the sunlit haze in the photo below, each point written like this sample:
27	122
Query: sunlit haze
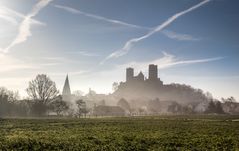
193	42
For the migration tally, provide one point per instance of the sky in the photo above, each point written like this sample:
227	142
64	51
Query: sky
193	42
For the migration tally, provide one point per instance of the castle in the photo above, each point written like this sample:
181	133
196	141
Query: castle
139	87
152	75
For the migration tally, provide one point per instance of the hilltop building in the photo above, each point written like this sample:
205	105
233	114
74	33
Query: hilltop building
153	72
137	89
152	75
129	74
140	86
66	93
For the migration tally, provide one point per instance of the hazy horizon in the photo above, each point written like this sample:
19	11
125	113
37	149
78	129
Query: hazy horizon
193	42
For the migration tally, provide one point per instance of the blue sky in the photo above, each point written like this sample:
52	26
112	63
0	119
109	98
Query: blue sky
95	40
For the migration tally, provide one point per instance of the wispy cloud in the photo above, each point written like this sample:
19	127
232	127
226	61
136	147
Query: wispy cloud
73	73
164	62
59	60
167	61
48	64
25	26
84	53
129	44
8	63
7	16
11	16
180	37
113	21
54	58
168	33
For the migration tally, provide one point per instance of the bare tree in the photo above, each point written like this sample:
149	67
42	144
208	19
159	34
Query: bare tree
8	102
42	90
81	107
214	107
59	106
115	86
230	99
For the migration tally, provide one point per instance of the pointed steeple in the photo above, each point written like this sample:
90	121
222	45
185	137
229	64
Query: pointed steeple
66	89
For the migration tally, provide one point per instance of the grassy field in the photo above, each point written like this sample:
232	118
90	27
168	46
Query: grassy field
132	133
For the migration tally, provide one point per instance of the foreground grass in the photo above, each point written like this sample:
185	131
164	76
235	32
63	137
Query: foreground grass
135	133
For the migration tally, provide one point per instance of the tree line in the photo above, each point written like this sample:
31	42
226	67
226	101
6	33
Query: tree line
43	99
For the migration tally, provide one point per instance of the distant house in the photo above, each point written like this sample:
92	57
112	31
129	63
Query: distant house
108	111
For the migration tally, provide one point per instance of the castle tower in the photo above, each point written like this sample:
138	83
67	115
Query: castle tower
129	74
153	72
66	93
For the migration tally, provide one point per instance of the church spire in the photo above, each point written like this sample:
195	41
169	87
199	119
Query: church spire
66	89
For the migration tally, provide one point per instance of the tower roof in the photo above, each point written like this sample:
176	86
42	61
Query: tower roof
141	74
66	88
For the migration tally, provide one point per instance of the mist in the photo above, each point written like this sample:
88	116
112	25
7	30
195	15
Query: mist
137	96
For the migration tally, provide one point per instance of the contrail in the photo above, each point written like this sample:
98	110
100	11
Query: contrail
194	61
7	13
129	44
179	37
4	14
169	34
24	28
113	21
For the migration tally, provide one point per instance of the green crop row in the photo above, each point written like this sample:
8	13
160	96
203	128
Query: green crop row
140	133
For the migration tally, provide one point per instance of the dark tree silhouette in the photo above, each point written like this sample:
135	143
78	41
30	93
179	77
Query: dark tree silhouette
124	104
81	107
230	99
214	107
211	107
218	106
175	108
230	105
7	102
41	90
58	105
